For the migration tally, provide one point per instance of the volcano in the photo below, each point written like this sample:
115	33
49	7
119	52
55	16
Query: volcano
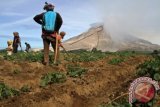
96	37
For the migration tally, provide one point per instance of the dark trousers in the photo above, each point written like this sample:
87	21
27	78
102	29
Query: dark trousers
27	49
15	48
46	43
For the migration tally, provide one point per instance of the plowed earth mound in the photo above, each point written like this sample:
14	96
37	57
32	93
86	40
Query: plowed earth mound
102	83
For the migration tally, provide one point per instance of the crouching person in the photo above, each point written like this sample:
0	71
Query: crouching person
28	47
9	48
53	40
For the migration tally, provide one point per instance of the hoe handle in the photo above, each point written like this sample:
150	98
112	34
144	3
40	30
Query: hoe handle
56	51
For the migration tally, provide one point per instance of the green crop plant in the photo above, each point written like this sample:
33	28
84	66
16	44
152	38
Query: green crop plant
50	78
150	68
75	71
85	56
6	92
22	56
116	61
34	57
125	53
25	88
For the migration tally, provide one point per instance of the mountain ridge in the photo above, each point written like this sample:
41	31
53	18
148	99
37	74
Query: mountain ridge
96	37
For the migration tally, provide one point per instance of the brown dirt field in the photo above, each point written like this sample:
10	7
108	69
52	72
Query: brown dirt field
102	83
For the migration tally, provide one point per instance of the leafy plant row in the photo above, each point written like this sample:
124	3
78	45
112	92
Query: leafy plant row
116	61
150	68
52	78
85	56
57	77
21	56
6	91
75	56
75	71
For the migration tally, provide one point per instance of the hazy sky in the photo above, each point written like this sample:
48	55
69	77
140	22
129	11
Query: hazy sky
17	15
136	17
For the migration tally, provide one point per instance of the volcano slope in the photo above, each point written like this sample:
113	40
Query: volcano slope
107	76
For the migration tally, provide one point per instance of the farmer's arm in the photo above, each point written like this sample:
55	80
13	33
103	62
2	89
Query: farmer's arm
9	48
38	18
20	42
58	23
60	44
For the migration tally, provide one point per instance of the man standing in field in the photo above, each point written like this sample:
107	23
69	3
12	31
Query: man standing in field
16	42
51	22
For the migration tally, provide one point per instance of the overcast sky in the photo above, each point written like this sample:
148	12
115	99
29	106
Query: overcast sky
136	17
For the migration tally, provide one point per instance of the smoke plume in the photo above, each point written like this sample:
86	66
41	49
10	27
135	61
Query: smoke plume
139	18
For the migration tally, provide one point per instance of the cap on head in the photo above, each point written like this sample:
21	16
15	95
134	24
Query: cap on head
48	6
15	33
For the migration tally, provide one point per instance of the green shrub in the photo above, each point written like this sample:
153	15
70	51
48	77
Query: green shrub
51	78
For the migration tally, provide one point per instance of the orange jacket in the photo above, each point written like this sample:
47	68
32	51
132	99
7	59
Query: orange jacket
59	39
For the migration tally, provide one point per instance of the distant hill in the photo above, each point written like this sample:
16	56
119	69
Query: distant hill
96	37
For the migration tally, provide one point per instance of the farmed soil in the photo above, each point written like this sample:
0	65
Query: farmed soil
83	79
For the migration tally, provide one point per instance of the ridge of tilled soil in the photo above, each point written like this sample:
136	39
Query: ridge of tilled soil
102	83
